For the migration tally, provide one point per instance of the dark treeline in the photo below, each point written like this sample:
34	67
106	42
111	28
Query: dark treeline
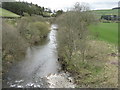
110	17
57	13
116	8
21	8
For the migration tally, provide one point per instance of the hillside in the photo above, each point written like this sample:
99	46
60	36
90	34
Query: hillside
23	8
106	12
6	13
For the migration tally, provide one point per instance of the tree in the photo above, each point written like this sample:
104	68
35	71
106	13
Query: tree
59	12
73	32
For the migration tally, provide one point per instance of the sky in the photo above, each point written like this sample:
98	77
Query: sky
66	4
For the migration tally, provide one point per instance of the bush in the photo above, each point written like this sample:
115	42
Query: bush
37	31
13	45
33	29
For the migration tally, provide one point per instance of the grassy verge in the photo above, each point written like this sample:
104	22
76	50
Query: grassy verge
105	31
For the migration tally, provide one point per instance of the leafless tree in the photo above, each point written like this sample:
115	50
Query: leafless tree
73	30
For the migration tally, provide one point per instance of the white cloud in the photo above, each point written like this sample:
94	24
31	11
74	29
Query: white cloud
64	4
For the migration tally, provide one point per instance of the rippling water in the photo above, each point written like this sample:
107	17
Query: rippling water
40	61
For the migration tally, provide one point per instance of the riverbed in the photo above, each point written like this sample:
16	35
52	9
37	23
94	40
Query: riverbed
40	68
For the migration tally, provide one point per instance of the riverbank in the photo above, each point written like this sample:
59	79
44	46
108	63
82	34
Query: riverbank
18	35
84	56
61	80
40	68
97	70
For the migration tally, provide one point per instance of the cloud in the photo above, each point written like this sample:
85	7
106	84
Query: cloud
64	4
104	5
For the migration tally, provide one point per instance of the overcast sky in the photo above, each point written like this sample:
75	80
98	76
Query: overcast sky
66	4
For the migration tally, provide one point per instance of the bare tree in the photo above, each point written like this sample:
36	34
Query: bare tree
73	30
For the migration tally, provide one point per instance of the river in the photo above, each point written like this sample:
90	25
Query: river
40	68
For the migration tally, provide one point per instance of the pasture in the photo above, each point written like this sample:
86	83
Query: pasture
6	13
105	31
99	13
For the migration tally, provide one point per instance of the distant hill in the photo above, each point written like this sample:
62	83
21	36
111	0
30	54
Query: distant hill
99	13
21	8
116	8
6	13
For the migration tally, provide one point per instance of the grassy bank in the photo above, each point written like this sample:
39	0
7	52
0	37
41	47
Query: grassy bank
106	31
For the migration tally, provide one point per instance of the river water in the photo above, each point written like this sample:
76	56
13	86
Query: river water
40	67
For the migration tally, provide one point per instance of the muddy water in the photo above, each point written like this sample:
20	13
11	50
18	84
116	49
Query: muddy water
40	61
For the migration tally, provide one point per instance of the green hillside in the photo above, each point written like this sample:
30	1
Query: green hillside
106	12
6	13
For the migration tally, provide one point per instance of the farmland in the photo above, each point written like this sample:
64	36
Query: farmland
106	31
6	13
99	13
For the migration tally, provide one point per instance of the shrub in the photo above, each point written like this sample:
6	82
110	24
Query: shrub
33	29
37	31
13	45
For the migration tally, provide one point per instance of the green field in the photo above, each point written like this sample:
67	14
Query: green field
6	13
106	12
106	31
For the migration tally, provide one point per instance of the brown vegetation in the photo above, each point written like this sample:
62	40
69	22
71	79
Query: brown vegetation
13	45
33	29
17	38
86	59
